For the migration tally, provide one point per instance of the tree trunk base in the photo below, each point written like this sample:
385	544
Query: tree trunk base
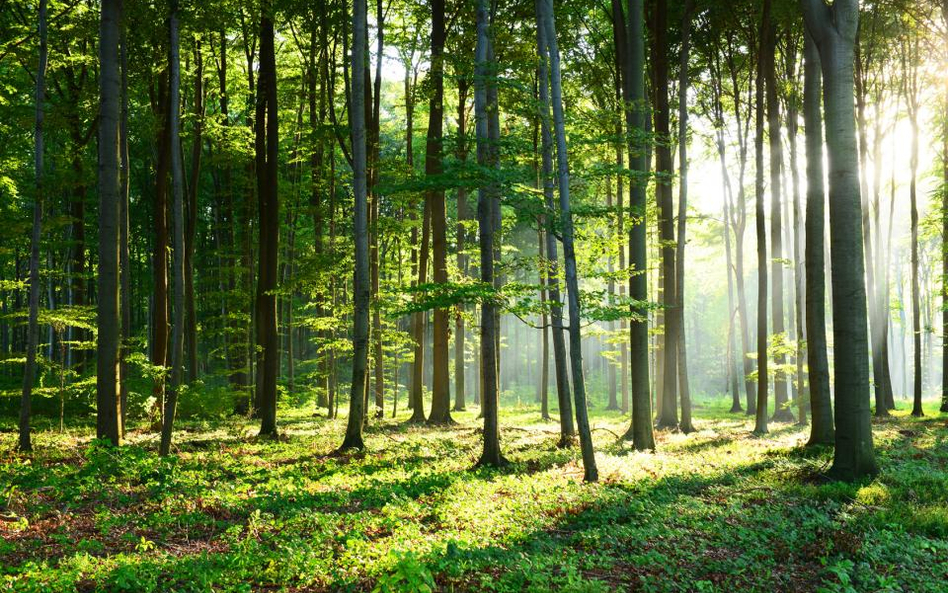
783	415
350	443
736	409
492	461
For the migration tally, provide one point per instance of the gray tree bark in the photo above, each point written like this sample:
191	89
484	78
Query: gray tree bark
32	330
360	332
834	30
108	376
591	473
821	406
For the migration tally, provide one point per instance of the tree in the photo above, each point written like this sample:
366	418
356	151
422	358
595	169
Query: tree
632	47
833	28
108	377
441	390
177	184
911	92
768	54
29	372
267	152
591	474
563	395
668	413
360	332
821	405
491	455
760	424
684	387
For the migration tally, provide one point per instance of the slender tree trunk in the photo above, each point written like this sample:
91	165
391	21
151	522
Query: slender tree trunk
916	290
418	327
611	383
491	455
684	387
192	207
125	280
441	386
544	330
782	412
160	303
760	424
178	264
821	406
591	473
563	395
267	146
353	439
108	378
32	335
944	238
459	329
834	30
630	45
668	416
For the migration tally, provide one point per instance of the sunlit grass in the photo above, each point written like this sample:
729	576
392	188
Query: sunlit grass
717	510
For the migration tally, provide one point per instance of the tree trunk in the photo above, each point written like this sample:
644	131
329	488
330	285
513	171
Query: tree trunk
684	387
821	406
32	335
177	184
630	45
563	395
782	412
267	150
192	208
834	30
125	279
160	310
417	400
668	415
108	378
459	330
591	473
491	455
441	387
760	424
353	439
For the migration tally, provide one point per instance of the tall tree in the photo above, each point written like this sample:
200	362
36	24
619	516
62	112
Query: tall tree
491	455
32	338
769	50
267	150
911	93
944	230
441	387
760	424
108	377
360	333
591	473
631	44
177	185
821	406
561	372
668	414
833	28
684	386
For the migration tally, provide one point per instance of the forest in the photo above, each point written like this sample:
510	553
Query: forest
474	295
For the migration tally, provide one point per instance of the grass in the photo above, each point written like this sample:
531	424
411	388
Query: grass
718	510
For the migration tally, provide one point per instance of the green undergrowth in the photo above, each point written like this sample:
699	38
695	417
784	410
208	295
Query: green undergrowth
716	510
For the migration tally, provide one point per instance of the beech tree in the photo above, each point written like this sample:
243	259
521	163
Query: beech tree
833	28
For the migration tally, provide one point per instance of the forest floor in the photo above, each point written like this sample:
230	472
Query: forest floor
717	510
